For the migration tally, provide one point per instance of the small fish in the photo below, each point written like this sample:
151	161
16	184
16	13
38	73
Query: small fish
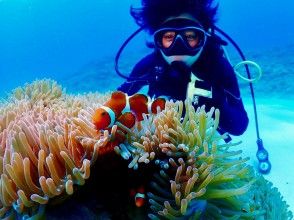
125	109
139	196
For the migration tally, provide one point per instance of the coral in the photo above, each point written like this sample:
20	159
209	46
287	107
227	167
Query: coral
40	154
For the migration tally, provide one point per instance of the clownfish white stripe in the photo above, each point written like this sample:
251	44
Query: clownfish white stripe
111	115
140	195
149	105
127	108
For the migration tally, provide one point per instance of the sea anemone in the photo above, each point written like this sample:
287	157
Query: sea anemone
49	145
40	154
199	175
270	199
46	90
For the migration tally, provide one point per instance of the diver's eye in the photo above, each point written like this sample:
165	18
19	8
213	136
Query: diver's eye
168	38
190	35
192	38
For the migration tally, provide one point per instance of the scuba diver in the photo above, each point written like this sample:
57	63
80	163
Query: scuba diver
188	60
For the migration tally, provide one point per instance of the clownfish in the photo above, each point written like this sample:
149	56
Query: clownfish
125	109
139	196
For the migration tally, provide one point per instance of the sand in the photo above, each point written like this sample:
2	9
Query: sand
276	125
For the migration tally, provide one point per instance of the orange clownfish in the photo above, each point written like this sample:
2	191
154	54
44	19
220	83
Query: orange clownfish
125	109
139	196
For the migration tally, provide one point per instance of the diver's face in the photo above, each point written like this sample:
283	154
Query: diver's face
180	38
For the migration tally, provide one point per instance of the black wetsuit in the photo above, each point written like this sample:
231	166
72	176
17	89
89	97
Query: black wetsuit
215	74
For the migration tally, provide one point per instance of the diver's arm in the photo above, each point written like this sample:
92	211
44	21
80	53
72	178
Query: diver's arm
214	68
233	117
139	74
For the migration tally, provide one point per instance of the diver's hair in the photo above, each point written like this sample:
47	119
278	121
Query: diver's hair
154	12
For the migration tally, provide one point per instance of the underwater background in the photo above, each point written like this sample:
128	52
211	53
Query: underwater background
75	42
64	39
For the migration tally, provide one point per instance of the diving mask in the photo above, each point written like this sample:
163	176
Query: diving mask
187	41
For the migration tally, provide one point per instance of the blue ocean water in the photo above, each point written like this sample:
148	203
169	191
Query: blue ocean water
75	42
59	37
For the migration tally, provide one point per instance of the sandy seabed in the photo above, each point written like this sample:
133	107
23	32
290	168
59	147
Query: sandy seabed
276	126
